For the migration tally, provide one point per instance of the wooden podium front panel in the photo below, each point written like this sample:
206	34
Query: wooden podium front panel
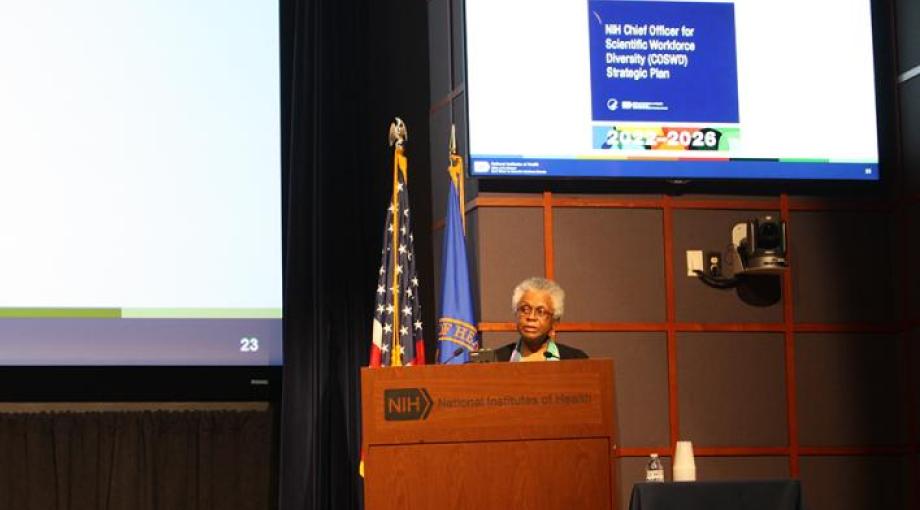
500	435
497	401
535	474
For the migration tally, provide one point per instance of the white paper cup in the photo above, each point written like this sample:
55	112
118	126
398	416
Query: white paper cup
684	474
684	469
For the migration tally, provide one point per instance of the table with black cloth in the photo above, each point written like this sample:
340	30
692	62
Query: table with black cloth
733	495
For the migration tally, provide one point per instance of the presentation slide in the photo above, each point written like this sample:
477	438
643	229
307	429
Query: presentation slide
140	183
717	89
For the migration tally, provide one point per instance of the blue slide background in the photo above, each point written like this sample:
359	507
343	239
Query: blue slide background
705	91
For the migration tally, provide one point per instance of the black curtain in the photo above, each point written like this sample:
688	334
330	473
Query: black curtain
348	69
138	460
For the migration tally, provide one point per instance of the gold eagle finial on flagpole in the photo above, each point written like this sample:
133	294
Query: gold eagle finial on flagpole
398	132
398	136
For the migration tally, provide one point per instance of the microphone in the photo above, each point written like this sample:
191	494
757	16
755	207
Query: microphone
548	355
456	353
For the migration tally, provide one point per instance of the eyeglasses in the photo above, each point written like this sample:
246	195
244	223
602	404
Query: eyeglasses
540	312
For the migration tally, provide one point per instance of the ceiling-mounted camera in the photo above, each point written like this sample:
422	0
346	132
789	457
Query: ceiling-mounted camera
759	246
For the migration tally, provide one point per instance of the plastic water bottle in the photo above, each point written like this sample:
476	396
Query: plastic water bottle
654	472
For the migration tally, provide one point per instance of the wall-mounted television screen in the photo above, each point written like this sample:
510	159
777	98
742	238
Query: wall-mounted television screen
140	184
672	89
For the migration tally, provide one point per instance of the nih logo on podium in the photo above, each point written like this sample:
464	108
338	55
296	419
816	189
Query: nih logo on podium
406	404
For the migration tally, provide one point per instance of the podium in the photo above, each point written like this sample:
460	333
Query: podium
499	435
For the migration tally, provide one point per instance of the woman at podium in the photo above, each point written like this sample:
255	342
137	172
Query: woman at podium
538	304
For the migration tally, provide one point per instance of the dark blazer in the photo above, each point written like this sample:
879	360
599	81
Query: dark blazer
565	352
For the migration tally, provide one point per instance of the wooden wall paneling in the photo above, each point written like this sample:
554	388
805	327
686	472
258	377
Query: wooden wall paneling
837	204
697	327
612	326
788	327
548	245
509	200
716	204
510	249
732	389
742	451
606	201
496	327
474	264
855	327
730	327
610	261
853	483
792	417
727	204
853	451
496	339
742	468
641	382
840	258
670	318
850	390
711	451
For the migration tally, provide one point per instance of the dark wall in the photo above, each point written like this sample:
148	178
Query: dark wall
811	375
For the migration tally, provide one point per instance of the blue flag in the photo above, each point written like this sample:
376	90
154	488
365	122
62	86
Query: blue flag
457	334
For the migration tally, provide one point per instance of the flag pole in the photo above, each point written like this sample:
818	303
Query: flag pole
456	325
398	137
456	173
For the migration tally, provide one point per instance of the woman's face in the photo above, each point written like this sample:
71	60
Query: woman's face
535	315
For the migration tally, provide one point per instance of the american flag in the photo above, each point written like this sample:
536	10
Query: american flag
397	327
